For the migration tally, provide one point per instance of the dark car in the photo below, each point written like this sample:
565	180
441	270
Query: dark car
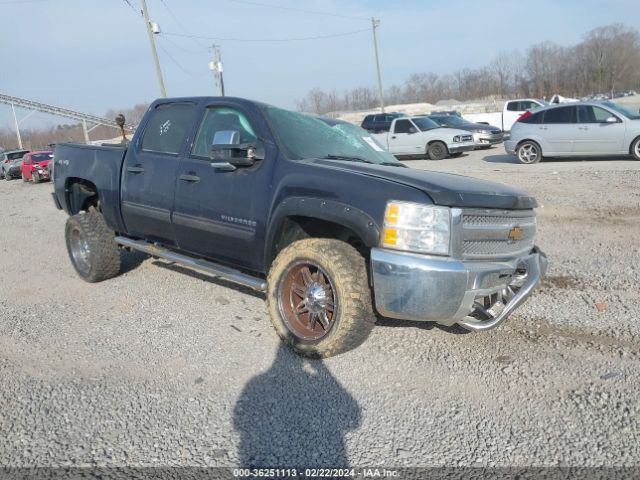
7	159
380	122
484	135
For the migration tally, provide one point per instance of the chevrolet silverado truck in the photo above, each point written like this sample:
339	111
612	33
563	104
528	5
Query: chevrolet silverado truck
421	136
317	215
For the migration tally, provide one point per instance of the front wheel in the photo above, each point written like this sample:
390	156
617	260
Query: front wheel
92	247
437	151
319	297
529	152
35	176
635	149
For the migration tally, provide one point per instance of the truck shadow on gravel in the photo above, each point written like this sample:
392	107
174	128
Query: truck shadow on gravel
295	414
131	260
396	323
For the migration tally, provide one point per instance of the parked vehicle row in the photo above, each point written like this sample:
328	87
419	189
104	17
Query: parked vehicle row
30	166
421	136
577	129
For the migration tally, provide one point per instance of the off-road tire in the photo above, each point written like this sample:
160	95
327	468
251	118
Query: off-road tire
437	151
101	260
534	152
345	268
635	149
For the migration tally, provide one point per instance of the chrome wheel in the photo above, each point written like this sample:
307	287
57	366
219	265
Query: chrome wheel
528	153
307	301
80	251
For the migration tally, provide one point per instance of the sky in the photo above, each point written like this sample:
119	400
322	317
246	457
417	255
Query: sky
94	55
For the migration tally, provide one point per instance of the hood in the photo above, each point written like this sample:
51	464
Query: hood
450	131
443	188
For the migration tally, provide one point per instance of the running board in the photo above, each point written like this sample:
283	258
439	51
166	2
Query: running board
209	267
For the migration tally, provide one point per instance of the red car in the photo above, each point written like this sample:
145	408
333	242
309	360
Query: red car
34	166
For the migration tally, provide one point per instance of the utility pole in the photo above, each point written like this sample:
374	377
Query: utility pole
375	23
215	65
154	52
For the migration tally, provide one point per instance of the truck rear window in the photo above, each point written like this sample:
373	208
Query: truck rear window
167	128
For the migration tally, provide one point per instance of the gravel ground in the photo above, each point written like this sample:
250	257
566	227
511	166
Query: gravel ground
166	367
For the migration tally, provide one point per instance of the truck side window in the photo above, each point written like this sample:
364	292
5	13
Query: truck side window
402	126
218	119
167	127
513	107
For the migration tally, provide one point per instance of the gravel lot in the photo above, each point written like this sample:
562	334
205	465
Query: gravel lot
158	367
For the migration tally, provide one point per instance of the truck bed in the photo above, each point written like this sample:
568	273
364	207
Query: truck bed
100	165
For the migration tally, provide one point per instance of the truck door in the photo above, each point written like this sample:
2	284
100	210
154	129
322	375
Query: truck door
405	138
220	214
149	172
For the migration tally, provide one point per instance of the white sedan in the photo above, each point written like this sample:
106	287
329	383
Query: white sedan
576	130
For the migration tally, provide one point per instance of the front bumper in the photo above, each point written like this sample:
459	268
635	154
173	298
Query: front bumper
477	295
461	147
487	139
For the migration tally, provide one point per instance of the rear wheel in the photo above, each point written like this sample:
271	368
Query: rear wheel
529	152
319	297
437	151
91	246
635	148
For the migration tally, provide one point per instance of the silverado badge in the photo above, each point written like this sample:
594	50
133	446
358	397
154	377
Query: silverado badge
515	234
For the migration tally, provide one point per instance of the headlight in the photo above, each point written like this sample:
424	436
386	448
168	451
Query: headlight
456	138
417	228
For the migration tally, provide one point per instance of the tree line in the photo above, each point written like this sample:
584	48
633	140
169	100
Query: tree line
606	60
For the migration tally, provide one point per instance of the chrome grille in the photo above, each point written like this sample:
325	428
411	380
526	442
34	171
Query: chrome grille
496	132
491	234
466	138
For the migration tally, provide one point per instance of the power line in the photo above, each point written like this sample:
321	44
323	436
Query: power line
178	22
7	2
127	2
294	9
292	39
176	63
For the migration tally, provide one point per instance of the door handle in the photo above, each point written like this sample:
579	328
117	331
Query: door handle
542	128
135	169
393	136
189	178
583	128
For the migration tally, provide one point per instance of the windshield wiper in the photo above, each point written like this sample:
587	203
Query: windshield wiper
394	164
348	158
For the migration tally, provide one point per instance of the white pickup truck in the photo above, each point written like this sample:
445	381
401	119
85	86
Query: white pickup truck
507	117
421	136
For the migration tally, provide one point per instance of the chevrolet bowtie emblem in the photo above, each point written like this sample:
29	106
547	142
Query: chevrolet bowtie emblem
515	234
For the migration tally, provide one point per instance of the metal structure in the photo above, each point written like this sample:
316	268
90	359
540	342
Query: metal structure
375	23
60	112
216	67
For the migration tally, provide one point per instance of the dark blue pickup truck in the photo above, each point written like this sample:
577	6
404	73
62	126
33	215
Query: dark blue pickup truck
312	211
